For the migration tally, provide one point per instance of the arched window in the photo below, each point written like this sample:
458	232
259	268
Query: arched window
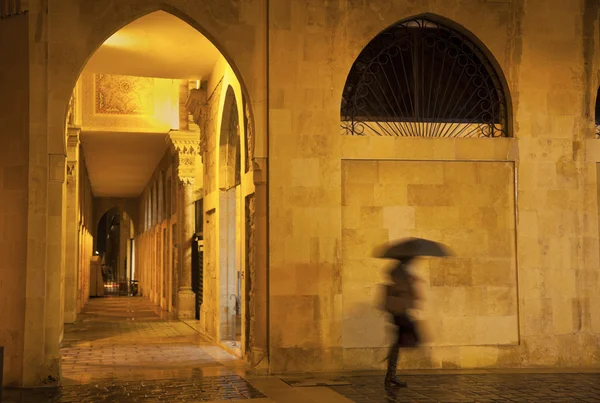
420	78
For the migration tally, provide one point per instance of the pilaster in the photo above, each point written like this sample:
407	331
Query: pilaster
72	225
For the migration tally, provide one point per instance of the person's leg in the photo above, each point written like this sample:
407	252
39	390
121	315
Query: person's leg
392	362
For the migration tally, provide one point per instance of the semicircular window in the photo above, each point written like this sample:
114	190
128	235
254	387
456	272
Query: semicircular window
422	79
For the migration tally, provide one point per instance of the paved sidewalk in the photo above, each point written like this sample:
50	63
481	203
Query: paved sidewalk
126	350
583	387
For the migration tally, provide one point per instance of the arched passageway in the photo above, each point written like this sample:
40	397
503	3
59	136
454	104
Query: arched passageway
148	127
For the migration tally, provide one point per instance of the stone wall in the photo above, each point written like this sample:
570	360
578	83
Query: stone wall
469	299
549	64
14	172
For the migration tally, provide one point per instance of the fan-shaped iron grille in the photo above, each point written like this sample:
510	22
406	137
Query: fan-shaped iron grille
419	78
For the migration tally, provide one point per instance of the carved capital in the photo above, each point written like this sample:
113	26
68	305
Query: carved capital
185	146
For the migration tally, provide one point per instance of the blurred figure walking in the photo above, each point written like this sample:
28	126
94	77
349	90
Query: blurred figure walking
401	296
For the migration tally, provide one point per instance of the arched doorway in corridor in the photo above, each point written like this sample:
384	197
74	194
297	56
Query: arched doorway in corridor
114	275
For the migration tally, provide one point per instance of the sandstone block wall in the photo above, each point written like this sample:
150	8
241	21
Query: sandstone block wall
470	298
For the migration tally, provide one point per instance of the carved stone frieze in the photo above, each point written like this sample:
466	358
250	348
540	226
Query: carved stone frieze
185	146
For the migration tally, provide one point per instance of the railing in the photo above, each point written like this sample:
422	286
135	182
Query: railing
9	8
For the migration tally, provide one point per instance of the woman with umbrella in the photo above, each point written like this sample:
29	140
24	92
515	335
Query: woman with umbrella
400	297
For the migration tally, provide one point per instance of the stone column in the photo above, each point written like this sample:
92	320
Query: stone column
259	343
72	226
185	146
54	266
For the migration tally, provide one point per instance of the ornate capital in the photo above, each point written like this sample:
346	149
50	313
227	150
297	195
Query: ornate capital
185	146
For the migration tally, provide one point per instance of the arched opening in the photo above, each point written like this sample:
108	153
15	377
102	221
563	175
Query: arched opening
422	78
140	106
229	221
115	246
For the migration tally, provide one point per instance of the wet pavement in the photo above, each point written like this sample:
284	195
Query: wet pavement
201	389
126	349
476	388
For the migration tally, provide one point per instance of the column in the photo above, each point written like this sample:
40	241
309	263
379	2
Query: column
72	224
53	311
259	344
185	146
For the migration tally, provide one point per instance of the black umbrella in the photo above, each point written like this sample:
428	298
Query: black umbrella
412	247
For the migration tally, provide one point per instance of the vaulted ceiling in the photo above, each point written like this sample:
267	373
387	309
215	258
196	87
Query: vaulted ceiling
124	129
156	45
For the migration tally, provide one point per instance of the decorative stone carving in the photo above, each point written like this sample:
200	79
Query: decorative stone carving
196	105
250	272
124	95
71	171
249	135
185	145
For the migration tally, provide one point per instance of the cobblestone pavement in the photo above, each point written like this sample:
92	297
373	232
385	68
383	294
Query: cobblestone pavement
201	389
475	388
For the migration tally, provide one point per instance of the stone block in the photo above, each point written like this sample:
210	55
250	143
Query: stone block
371	217
403	173
493	272
365	172
358	195
438	217
460	173
389	195
294	314
429	195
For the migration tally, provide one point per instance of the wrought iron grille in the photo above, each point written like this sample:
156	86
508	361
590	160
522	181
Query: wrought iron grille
420	78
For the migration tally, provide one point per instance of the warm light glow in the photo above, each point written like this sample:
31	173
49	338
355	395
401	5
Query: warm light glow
197	84
166	103
120	40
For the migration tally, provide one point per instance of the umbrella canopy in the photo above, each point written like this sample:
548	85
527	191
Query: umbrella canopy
412	247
